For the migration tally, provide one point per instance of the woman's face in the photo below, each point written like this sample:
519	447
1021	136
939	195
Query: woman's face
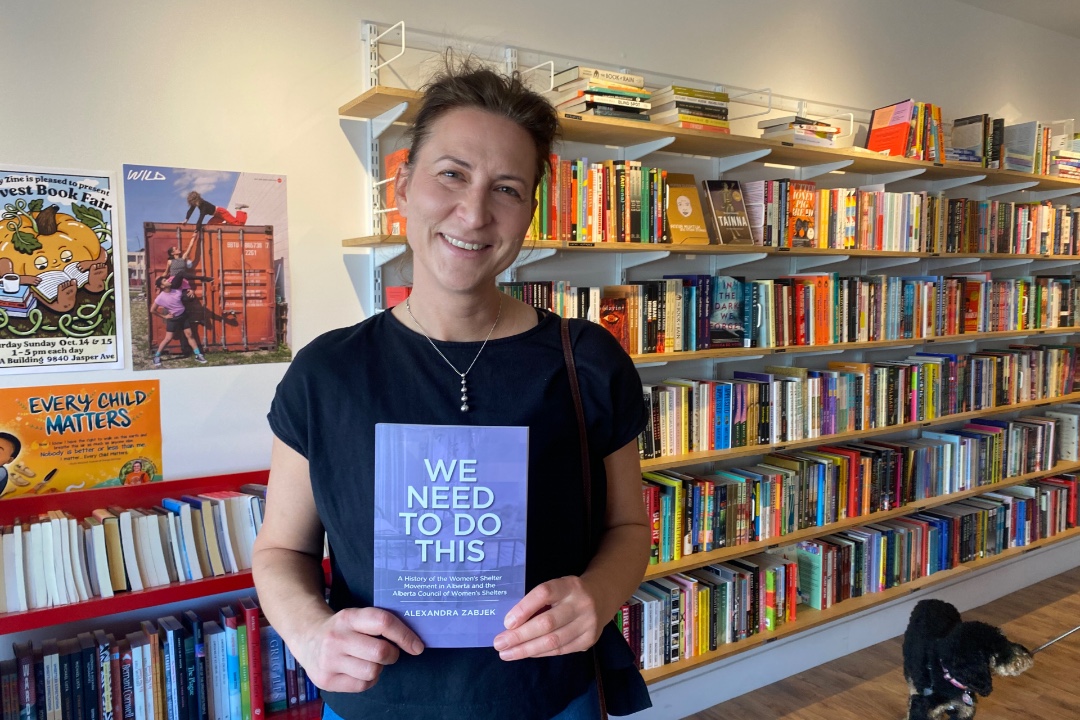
468	197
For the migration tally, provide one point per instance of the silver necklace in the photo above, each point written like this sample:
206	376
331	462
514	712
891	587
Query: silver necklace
464	387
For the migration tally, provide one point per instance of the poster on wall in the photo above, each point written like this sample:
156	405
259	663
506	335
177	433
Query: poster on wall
207	267
58	271
74	437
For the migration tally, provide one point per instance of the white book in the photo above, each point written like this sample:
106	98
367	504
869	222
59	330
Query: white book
34	568
91	561
78	558
14	579
64	569
54	585
245	522
23	597
138	681
1068	436
142	549
155	551
215	659
148	680
193	562
137	576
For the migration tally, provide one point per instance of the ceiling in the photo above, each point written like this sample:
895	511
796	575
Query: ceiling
1062	16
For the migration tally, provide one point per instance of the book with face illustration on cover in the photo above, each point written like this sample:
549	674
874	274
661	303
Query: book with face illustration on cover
450	521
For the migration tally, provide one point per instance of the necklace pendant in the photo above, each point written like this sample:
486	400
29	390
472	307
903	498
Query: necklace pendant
464	407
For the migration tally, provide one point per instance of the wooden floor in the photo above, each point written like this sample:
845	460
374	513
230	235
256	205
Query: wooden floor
869	684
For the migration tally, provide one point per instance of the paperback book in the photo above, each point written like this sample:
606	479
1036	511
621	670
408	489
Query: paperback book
450	504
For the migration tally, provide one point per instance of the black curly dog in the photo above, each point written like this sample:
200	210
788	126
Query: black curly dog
948	662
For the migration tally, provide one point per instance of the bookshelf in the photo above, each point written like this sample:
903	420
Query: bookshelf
80	504
747	156
809	618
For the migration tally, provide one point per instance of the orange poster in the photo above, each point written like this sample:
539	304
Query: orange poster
73	437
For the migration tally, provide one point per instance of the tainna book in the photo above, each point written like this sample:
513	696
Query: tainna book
450	511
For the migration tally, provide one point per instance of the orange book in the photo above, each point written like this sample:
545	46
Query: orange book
890	129
393	222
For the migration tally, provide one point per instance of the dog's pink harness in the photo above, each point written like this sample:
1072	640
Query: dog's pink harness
966	697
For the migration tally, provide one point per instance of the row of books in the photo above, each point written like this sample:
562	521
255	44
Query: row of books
55	559
908	129
1032	146
234	667
796	213
789	404
684	313
793	490
688	614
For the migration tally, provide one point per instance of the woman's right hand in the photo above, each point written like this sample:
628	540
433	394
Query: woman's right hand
346	652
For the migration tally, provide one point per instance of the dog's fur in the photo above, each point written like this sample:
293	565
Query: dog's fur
936	642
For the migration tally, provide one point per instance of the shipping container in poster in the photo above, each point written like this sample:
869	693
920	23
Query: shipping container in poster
234	303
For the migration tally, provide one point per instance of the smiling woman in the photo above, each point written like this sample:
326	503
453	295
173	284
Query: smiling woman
458	352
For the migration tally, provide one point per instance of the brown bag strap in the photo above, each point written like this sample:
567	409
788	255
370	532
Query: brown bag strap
586	476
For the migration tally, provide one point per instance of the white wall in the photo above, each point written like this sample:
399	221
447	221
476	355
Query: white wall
255	86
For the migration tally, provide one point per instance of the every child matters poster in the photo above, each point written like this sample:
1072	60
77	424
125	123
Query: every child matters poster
73	437
58	271
208	266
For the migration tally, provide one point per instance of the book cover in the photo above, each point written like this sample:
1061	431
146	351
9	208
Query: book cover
450	504
726	322
686	221
729	212
393	222
890	129
802	201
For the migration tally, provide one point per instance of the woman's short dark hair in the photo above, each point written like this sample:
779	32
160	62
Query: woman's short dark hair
16	445
466	84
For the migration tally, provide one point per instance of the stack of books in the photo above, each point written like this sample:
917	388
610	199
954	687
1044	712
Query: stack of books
691	108
606	93
798	130
19	303
1063	163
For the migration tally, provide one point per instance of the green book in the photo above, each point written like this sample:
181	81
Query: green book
245	672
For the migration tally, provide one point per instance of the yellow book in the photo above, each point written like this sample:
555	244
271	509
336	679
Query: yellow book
682	535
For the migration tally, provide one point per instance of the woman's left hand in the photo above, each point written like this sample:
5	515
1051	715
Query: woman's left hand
554	618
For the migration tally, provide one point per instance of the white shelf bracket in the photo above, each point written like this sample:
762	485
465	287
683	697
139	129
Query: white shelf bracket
950	341
636	152
812	171
937	263
996	190
724	164
382	255
888	262
624	261
1043	195
995	264
528	256
950	183
768	107
820	352
802	263
719	262
381	122
894	177
1049	264
890	347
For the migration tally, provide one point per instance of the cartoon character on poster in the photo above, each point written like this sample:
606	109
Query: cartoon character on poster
58	307
73	437
208	276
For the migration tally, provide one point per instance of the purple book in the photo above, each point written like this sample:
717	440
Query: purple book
450	510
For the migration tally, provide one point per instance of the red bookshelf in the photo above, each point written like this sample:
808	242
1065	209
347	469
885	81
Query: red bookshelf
82	503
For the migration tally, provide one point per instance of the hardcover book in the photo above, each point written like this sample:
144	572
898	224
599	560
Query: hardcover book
685	219
729	212
450	521
890	129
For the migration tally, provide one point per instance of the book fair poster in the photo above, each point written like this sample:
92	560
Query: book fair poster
208	267
58	272
450	520
59	438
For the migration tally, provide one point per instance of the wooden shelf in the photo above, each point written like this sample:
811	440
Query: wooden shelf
698	458
809	618
696	560
611	131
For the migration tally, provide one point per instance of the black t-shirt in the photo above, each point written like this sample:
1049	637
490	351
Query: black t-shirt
347	380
